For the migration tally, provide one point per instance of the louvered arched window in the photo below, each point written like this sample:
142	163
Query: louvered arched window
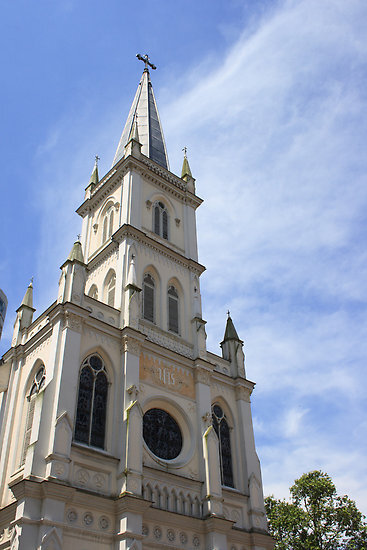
221	427
173	309
107	224
37	384
90	424
148	297
160	220
109	290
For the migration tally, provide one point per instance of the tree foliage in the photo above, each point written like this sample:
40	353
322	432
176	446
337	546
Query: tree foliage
315	517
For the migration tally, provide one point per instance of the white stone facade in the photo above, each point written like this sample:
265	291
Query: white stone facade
60	493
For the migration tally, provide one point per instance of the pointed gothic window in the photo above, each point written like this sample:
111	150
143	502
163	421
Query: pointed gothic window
37	385
160	220
173	308
148	297
107	224
221	427
90	424
111	284
93	292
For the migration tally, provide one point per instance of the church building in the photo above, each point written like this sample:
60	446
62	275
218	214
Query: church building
119	429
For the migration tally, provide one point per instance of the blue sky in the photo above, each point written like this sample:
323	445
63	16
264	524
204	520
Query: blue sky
270	99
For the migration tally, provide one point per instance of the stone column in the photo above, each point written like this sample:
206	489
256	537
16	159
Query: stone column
212	488
250	462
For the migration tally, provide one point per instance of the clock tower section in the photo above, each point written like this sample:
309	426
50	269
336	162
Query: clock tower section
136	436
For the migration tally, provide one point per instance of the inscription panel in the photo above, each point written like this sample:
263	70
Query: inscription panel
163	374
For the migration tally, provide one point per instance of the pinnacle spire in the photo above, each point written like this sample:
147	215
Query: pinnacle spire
76	252
230	332
185	172
28	296
94	177
144	115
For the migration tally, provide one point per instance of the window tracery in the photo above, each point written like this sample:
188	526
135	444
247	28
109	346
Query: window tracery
91	411
160	220
109	288
222	430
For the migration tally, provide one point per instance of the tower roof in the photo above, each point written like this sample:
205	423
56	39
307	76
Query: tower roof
144	114
230	333
76	253
28	297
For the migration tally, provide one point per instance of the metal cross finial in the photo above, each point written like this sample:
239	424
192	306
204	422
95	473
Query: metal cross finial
78	237
31	282
228	313
185	151
146	60
97	158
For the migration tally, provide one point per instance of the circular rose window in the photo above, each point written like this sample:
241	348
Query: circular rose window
162	434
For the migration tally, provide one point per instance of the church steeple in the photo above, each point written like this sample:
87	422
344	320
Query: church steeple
145	117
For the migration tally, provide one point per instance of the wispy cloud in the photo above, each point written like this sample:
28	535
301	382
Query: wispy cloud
276	134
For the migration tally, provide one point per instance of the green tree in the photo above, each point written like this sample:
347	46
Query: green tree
315	517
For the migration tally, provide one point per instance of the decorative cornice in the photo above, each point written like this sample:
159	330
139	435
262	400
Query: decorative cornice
127	230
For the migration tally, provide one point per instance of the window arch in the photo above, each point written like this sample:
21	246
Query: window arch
107	227
160	220
93	292
221	427
109	288
36	386
173	309
90	423
148	297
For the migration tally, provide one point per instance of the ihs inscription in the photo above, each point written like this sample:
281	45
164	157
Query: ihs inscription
172	377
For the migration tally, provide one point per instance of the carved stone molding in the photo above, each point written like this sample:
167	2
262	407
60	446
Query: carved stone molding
131	345
242	393
202	375
73	322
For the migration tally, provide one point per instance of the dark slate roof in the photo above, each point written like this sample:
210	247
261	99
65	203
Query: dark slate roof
144	110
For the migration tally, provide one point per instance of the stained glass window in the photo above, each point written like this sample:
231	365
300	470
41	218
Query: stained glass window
91	411
221	427
162	434
160	220
148	297
172	309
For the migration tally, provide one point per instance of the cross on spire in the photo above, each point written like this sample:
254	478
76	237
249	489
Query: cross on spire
97	158
146	60
228	313
185	151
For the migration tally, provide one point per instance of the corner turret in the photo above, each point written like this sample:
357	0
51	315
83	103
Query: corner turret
24	315
73	276
232	349
186	173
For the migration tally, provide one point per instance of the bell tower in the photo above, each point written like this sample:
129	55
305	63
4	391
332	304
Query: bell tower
120	429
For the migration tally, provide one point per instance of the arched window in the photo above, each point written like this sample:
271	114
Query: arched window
37	384
173	309
90	424
148	297
109	288
160	220
93	292
107	224
221	427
